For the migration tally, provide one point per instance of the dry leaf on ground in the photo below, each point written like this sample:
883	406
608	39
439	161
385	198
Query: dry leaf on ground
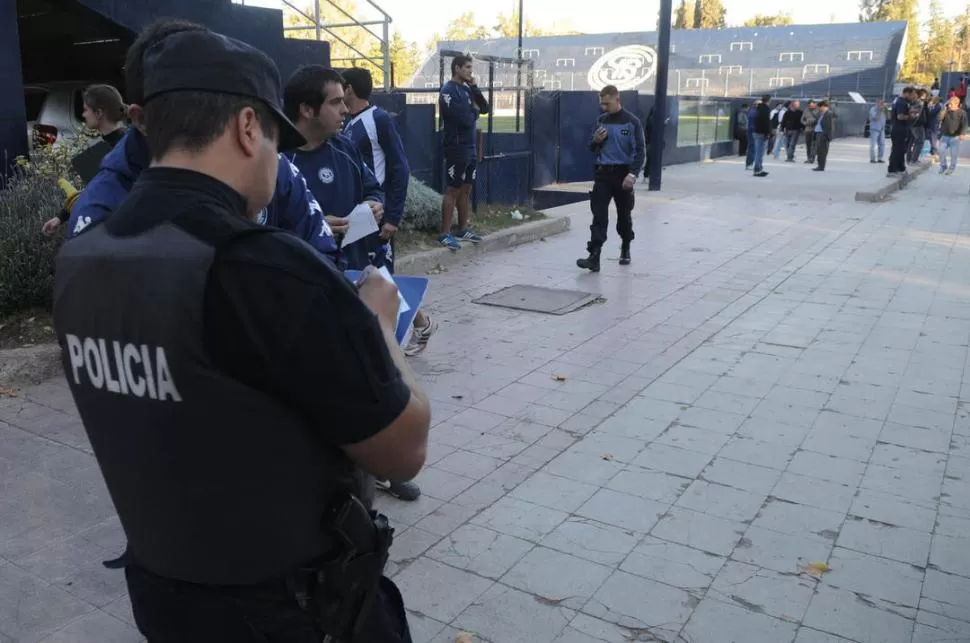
559	378
9	391
607	456
464	637
815	570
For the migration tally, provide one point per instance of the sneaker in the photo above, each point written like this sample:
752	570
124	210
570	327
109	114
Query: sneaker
468	235
449	241
949	172
407	491
872	160
747	168
880	161
762	173
419	338
942	169
591	263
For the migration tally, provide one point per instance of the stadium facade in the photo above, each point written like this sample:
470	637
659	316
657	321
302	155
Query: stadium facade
795	60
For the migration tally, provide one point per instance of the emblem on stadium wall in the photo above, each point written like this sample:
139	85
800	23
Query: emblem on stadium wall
626	67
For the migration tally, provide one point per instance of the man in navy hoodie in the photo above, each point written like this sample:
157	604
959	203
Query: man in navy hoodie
336	173
293	207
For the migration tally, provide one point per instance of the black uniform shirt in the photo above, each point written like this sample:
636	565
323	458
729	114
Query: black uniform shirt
281	319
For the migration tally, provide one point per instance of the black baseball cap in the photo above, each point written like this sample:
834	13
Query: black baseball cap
205	61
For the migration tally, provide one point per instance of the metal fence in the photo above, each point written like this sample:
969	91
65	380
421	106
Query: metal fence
704	121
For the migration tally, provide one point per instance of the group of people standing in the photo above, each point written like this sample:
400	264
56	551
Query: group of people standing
761	127
915	118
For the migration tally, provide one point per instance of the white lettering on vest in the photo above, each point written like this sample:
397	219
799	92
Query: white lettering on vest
134	370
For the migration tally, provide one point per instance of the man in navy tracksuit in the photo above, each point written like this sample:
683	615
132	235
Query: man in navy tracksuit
620	149
460	103
293	207
335	171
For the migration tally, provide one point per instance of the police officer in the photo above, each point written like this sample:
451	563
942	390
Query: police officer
620	149
229	434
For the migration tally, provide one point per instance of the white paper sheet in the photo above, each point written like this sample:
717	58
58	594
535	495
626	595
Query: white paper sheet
403	306
362	223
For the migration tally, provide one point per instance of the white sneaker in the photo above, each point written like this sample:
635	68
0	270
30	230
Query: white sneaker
419	338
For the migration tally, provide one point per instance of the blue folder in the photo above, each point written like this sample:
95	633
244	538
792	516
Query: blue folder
413	289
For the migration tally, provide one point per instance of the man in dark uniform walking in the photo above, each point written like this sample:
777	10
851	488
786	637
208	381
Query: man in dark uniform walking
620	149
231	381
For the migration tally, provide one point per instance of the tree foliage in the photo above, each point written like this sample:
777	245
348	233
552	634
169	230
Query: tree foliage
762	20
684	16
907	10
709	14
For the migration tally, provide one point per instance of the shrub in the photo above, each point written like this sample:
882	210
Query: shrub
28	199
422	209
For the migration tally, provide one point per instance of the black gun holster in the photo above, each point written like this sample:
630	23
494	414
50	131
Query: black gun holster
339	590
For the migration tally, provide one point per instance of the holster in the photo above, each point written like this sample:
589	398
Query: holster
339	590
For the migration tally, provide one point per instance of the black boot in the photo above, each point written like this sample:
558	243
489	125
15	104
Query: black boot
625	254
591	263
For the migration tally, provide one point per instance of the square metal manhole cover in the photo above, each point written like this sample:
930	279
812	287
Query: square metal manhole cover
538	299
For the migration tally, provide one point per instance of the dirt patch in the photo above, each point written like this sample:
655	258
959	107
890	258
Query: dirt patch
26	329
488	219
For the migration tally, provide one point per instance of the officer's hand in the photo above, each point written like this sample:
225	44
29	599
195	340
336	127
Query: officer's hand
387	231
380	295
51	226
338	225
377	209
600	135
629	181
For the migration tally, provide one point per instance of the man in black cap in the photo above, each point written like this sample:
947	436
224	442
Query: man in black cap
230	436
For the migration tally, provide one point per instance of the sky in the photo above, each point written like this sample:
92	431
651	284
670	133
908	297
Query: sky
628	15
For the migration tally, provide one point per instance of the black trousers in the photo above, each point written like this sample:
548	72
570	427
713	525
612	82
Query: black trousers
897	155
608	186
170	611
742	143
810	145
821	149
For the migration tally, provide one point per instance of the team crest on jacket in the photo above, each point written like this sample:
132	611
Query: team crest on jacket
326	175
261	217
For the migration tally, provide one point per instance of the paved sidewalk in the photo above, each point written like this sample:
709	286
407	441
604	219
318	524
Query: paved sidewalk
777	380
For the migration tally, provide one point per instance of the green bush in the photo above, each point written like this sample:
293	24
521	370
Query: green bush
27	199
422	209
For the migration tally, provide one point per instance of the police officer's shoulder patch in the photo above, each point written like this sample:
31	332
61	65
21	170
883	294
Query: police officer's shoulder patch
326	175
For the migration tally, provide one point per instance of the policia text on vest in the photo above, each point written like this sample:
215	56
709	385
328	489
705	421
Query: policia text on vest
124	369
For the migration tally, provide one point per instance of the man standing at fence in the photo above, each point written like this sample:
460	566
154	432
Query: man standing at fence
809	116
877	131
762	132
824	131
620	149
792	126
901	125
460	103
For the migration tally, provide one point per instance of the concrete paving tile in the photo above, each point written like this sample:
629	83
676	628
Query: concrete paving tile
942	630
898	584
946	594
592	540
584	629
714	620
827	467
629	425
742	386
718	421
521	519
31	609
411	543
886	507
673	564
506	614
779	551
693	439
479	550
814	492
722	501
905	483
439	591
622	510
775	455
741	475
763	591
855	617
445	519
654	485
556	577
888	541
949	554
922	418
796	520
96	627
925	462
423	628
699	531
441	484
670	459
808	635
590	468
554	492
772	431
599	444
636	602
849	425
678	393
74	565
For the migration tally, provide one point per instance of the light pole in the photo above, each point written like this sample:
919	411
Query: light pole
660	95
518	74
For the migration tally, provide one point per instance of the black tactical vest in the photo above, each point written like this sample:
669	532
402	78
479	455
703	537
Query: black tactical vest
214	482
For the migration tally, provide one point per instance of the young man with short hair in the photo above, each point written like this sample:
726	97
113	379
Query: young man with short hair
877	131
901	126
953	127
762	132
460	103
338	176
809	116
620	148
377	139
824	132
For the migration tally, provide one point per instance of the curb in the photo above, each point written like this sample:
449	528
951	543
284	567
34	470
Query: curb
421	263
893	186
30	365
